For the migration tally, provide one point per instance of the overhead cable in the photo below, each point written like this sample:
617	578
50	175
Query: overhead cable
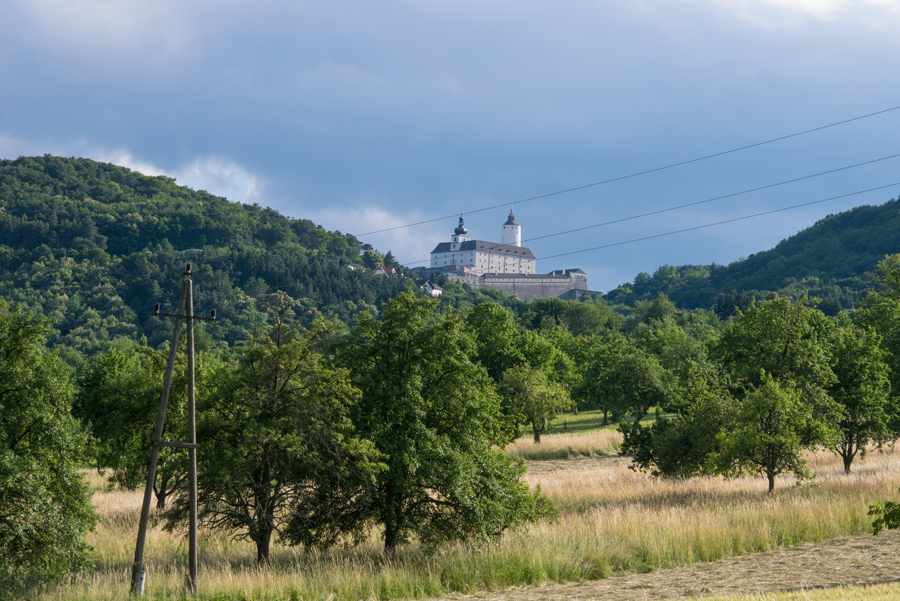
700	202
698	227
654	170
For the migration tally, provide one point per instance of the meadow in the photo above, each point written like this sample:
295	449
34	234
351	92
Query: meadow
612	521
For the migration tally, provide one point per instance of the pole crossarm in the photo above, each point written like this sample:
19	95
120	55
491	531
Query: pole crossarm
176	445
194	317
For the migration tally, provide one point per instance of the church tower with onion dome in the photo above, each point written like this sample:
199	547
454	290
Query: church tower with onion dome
512	231
460	234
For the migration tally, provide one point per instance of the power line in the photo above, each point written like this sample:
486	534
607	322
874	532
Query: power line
654	170
698	227
696	203
700	202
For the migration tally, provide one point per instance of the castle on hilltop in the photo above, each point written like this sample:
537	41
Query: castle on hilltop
504	265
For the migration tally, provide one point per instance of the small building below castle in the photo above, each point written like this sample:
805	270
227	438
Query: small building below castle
504	265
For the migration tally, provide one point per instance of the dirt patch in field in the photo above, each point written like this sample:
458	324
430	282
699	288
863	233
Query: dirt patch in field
850	561
578	464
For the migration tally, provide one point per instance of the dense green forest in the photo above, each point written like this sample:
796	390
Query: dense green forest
832	260
93	246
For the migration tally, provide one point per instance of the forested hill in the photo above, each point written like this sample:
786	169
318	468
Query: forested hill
94	246
832	260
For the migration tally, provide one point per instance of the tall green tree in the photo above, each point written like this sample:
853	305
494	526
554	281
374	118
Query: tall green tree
45	505
788	342
497	341
435	420
768	431
862	390
779	359
277	448
881	312
593	389
637	383
530	397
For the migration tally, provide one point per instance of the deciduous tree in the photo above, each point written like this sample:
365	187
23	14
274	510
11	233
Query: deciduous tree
768	430
529	397
277	449
435	420
862	390
45	505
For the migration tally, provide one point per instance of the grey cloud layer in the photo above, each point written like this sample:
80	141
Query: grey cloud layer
402	108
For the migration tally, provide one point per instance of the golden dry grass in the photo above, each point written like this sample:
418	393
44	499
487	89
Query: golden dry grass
566	446
612	520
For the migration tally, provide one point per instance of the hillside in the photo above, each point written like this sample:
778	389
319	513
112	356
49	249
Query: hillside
94	246
831	260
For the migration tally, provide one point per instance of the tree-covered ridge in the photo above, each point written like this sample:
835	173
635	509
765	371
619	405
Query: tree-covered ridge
832	260
94	245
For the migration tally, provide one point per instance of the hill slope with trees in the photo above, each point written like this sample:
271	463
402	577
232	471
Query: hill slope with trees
93	246
832	260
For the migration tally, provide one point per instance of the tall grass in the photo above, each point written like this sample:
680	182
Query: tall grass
567	446
612	520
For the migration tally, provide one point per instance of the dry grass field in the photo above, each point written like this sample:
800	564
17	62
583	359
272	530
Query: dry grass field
567	446
613	522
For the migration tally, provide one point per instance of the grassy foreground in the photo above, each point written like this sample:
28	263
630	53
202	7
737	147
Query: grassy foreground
612	520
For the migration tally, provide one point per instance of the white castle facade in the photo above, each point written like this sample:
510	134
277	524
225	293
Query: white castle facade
507	256
504	265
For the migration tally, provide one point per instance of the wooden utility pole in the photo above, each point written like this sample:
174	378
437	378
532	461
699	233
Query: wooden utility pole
185	313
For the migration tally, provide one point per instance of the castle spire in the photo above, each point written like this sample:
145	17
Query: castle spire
512	231
460	229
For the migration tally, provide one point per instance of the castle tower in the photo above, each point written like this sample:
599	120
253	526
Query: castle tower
459	235
512	231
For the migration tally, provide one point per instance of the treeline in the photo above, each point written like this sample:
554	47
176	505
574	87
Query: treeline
833	260
698	395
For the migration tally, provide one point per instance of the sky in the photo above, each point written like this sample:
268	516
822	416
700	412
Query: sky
364	115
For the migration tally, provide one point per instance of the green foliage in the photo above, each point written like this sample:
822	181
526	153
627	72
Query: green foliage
119	399
594	356
881	312
434	418
529	397
93	246
788	341
862	391
889	516
830	260
278	450
681	445
768	430
45	505
496	338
